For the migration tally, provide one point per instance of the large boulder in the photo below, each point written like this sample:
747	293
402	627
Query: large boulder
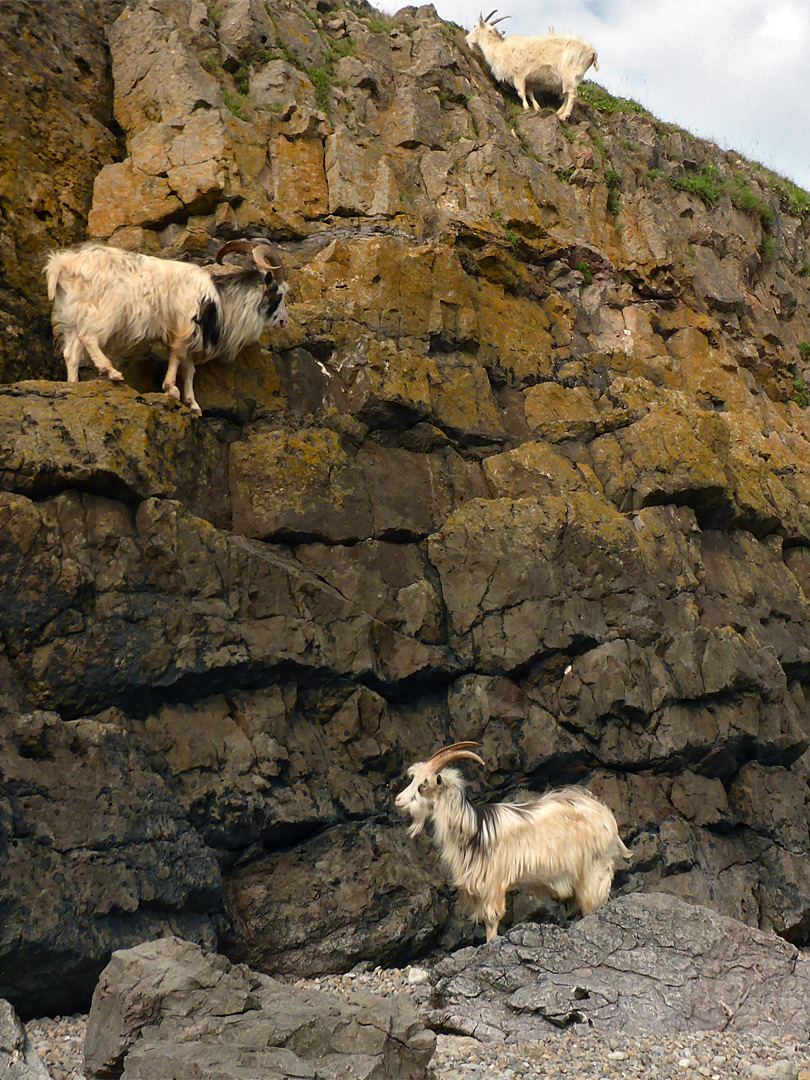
641	965
168	1009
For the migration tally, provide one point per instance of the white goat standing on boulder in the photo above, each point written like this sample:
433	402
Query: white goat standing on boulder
564	844
556	62
106	298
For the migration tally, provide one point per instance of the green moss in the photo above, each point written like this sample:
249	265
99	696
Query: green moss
750	202
709	184
381	26
613	180
603	102
804	350
585	270
655	174
793	200
237	104
321	80
212	64
801	394
241	78
744	197
288	55
340	48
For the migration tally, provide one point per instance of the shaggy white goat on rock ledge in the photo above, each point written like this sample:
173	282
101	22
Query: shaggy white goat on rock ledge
556	62
564	844
106	298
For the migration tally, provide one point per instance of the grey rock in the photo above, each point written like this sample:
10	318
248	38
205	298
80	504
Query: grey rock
643	964
168	1009
18	1059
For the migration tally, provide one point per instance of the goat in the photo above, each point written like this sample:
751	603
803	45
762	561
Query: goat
555	62
104	297
564	844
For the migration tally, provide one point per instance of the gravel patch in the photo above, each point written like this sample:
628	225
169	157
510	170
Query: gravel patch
575	1054
59	1041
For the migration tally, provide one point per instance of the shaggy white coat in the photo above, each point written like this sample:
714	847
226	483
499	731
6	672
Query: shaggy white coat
106	298
556	63
564	844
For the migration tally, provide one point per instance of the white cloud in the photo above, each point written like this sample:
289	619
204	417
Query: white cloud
733	71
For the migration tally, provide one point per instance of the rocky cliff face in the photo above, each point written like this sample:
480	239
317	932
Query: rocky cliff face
530	466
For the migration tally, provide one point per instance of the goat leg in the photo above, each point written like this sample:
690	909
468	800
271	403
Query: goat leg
102	362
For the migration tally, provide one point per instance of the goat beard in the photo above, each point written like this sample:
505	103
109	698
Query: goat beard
420	818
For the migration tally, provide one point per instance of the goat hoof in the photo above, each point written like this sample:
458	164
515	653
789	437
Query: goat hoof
172	392
115	376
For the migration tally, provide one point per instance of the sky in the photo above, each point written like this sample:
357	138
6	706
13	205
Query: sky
736	72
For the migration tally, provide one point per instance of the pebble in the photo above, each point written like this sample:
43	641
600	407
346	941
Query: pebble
575	1054
417	976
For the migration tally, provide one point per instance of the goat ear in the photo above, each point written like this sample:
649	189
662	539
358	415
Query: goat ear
269	279
439	780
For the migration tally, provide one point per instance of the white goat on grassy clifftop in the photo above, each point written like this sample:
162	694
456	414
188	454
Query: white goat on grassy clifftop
556	62
564	844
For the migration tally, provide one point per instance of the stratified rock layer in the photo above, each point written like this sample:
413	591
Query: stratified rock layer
530	465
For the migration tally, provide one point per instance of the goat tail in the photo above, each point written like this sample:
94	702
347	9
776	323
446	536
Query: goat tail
595	62
621	853
53	268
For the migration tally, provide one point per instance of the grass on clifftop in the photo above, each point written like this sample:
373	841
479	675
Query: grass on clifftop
606	103
709	184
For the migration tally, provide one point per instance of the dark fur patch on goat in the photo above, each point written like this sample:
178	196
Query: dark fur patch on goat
270	300
485	818
209	323
488	816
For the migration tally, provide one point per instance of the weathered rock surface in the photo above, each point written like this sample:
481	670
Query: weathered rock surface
97	853
644	964
168	1008
18	1059
56	133
529	465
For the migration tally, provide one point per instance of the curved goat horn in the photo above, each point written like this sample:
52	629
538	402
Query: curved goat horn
453	753
267	258
264	255
486	20
243	246
503	18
